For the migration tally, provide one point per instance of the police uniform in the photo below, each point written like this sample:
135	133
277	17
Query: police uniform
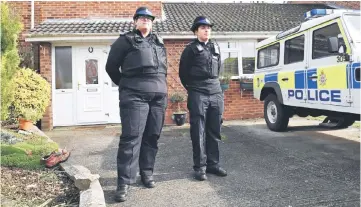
142	102
199	69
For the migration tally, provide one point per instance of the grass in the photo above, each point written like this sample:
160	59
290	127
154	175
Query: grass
26	154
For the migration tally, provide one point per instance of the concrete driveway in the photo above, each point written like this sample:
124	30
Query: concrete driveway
305	166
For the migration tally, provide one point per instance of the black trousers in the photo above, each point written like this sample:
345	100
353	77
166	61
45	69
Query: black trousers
205	128
142	116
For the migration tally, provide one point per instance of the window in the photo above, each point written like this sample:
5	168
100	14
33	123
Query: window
268	56
357	74
238	57
248	57
295	50
63	68
319	40
230	62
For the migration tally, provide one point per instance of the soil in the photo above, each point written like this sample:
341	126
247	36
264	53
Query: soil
50	187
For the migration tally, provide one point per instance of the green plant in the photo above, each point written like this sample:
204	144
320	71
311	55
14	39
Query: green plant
26	154
31	95
177	98
10	28
225	78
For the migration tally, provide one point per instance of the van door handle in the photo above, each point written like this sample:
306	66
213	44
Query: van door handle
312	77
284	79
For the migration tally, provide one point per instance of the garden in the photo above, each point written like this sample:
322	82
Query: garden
30	173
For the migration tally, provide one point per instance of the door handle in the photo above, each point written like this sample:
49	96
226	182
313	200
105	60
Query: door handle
312	77
78	85
106	83
284	79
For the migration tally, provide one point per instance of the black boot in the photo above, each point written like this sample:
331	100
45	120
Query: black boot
200	175
148	180
217	171
121	193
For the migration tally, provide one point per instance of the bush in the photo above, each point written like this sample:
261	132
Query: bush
10	28
31	95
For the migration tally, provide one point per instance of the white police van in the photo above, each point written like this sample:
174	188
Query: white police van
312	70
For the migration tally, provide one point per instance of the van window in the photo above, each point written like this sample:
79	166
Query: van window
268	56
319	40
295	50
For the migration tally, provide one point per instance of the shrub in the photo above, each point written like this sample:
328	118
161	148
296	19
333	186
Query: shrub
31	95
10	29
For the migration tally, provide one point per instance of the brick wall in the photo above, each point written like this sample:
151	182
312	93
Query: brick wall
238	104
45	71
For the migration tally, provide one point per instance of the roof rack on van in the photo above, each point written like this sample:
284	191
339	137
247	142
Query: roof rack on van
314	13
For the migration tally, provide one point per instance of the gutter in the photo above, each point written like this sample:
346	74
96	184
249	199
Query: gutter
81	37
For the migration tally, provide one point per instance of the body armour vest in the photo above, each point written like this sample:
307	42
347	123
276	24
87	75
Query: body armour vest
146	56
205	62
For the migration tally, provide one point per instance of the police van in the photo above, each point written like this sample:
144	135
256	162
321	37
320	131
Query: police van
311	70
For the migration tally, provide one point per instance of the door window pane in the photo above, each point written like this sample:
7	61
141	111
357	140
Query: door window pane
230	62
319	41
91	71
295	50
63	68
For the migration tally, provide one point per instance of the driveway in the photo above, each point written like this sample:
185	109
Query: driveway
305	166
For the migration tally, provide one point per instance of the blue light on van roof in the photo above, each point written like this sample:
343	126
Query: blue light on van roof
317	13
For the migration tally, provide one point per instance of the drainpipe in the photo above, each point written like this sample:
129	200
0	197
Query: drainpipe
32	14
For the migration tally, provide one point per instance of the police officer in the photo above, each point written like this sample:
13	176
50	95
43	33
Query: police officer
141	57
199	69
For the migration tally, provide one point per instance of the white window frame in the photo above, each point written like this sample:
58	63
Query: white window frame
238	49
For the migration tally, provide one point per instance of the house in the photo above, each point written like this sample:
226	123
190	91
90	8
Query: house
71	40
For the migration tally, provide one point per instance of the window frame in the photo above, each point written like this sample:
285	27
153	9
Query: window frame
284	50
278	54
238	49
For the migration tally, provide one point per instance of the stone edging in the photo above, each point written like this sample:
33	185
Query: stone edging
91	192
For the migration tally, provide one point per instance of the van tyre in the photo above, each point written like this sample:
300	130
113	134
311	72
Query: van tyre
276	114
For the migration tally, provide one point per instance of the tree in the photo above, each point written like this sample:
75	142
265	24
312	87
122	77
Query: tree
11	26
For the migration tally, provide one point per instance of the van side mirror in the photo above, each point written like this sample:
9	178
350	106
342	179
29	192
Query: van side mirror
332	43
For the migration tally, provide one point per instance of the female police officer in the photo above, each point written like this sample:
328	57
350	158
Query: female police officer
198	71
141	55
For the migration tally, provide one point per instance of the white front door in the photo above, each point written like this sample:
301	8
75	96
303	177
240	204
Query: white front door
90	67
111	96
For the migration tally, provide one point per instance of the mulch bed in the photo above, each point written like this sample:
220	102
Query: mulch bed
50	187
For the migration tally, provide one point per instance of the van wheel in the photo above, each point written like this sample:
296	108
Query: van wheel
275	114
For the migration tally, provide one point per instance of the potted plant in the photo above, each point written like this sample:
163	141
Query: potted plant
31	97
179	116
224	79
246	83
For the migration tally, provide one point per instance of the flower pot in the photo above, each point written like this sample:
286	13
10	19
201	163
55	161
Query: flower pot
25	124
224	86
246	86
180	118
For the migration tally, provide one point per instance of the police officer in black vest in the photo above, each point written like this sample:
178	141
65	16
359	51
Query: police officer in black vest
199	69
142	58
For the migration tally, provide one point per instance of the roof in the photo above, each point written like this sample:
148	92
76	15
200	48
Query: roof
178	18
